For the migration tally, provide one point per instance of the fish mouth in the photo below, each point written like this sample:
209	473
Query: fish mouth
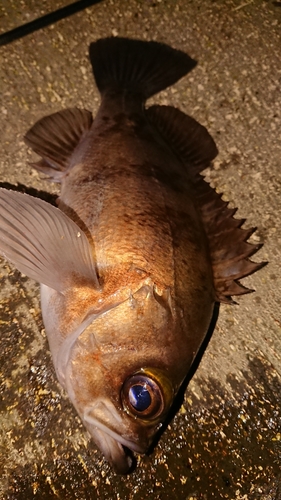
114	451
100	419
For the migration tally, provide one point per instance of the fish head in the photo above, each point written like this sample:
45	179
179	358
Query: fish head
124	371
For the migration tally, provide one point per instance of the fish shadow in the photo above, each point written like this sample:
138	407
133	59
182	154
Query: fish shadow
180	396
37	193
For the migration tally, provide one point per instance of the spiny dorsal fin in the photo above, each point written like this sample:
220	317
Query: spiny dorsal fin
55	138
137	66
188	139
44	243
228	244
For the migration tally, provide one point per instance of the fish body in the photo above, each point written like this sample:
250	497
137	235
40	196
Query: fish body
138	251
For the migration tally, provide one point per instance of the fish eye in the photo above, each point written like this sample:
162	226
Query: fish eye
146	396
142	396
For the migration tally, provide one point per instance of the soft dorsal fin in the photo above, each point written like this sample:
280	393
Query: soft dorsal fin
188	139
44	243
228	244
55	138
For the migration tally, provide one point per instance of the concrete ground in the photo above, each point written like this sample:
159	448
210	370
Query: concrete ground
225	441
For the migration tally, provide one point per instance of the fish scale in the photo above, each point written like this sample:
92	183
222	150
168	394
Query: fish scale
139	227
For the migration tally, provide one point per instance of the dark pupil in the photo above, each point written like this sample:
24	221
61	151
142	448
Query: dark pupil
139	397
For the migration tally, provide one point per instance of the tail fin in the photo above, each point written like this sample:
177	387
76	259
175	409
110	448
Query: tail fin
143	68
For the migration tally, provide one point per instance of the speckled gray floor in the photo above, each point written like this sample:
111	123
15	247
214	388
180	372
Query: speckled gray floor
225	441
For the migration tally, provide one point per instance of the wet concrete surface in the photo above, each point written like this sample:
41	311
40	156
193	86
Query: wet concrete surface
225	440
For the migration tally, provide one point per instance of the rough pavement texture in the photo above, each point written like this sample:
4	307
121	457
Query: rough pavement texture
225	441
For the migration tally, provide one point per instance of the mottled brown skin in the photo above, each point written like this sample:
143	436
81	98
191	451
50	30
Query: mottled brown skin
139	208
140	223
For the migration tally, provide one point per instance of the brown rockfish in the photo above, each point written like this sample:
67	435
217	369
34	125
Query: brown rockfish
138	251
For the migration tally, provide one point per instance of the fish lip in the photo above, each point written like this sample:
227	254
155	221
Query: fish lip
115	447
97	424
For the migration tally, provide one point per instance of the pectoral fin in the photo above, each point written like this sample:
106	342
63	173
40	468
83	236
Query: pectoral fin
43	243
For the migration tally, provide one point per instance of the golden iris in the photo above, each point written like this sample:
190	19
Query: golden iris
147	394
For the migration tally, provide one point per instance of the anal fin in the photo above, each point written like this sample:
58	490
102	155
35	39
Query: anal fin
55	138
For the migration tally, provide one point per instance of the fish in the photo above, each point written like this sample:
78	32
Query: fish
138	250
